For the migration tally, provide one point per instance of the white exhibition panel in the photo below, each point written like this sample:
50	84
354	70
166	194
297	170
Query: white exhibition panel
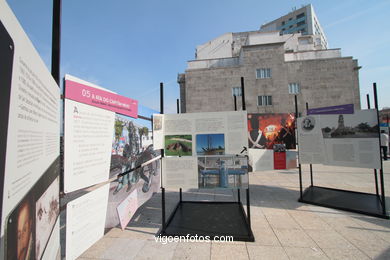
34	121
349	140
180	172
87	145
261	159
85	220
52	249
232	124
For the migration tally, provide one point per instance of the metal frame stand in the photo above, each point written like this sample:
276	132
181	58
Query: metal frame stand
220	215
358	202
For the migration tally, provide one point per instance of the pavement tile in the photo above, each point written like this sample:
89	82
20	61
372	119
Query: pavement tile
282	221
156	250
227	251
302	253
329	239
379	255
266	252
308	220
294	238
98	249
283	228
365	240
264	237
196	251
345	254
124	248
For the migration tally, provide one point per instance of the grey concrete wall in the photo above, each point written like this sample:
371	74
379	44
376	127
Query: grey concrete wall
323	82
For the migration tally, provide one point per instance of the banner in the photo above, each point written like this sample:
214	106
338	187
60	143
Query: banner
132	146
266	130
350	140
87	93
29	147
202	149
333	110
192	134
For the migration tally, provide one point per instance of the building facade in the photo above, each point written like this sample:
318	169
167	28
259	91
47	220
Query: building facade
275	67
302	20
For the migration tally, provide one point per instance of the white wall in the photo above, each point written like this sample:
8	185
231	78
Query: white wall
220	47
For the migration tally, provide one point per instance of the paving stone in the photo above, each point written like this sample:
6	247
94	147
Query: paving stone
267	252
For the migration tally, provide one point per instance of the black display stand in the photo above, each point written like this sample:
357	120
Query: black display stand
209	219
357	202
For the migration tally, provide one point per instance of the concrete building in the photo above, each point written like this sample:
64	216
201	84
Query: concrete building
275	66
302	20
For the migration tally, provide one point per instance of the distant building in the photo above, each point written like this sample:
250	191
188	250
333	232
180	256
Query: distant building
302	20
275	66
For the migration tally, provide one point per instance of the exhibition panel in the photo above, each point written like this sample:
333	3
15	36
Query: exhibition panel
105	144
29	147
345	138
271	139
203	150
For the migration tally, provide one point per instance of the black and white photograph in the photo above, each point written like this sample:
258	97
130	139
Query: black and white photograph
349	126
308	123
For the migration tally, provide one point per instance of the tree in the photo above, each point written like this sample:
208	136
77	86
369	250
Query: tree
118	129
142	131
364	127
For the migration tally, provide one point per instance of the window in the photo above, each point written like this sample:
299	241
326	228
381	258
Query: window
300	15
283	23
236	91
300	23
264	100
293	88
263	73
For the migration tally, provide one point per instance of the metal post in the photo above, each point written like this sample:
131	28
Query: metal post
177	106
381	169
248	208
243	94
163	209
375	171
299	164
235	102
238	195
56	41
162	156
311	166
180	194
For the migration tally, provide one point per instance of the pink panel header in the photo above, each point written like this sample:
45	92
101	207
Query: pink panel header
100	98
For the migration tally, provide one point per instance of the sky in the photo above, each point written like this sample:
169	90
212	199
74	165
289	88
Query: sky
130	47
216	141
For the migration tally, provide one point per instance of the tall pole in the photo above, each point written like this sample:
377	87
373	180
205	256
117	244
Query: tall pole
235	102
56	41
162	156
243	93
375	171
177	106
299	163
311	166
381	169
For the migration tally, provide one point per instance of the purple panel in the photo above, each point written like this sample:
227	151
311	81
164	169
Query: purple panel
342	109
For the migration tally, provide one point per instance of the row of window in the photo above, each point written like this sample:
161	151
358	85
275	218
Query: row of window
293	88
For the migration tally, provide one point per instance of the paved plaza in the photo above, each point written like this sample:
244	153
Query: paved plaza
283	227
